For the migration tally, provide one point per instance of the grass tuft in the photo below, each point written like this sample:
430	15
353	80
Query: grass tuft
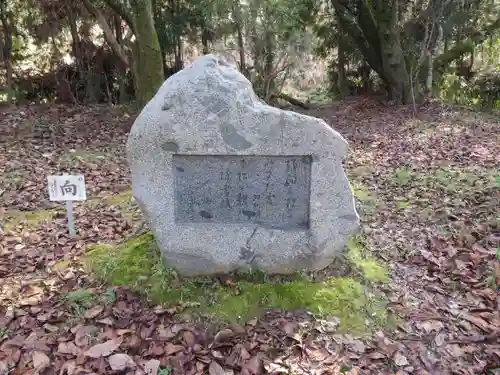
78	300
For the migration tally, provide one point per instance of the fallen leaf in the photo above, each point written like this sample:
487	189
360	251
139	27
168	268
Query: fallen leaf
431	325
376	355
216	369
32	296
276	369
104	349
4	368
172	348
253	366
189	338
16	342
440	339
400	360
121	332
69	368
40	361
106	321
223	335
151	367
93	312
68	348
481	323
121	362
50	327
317	354
252	322
289	328
165	333
83	335
358	346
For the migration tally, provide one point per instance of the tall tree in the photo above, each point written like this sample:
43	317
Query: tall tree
147	60
7	22
401	39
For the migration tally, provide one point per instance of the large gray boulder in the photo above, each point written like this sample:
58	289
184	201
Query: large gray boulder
227	182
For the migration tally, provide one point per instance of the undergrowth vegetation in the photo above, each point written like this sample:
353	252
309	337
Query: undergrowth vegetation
138	265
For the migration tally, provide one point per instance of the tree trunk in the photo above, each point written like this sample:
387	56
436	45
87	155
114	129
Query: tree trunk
205	38
239	37
291	100
9	80
395	75
376	34
149	63
256	48
107	31
179	62
122	67
364	72
341	60
75	38
429	81
7	52
268	72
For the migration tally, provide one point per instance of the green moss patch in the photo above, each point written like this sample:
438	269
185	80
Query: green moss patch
367	201
83	156
138	265
123	201
12	180
122	198
29	219
450	180
360	257
402	176
79	300
443	190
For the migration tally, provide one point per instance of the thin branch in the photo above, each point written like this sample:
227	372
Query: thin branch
108	33
432	12
121	9
467	46
354	31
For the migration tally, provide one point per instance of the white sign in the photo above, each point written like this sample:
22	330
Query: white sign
67	188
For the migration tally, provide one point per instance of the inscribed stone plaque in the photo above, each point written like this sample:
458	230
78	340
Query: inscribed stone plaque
271	191
227	205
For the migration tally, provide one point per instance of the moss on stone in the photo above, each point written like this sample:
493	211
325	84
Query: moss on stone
138	265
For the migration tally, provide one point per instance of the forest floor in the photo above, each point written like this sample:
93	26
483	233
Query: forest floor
428	191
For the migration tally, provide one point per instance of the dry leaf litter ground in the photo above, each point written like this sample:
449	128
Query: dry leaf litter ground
428	188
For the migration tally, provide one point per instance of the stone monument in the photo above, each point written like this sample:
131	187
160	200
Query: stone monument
227	182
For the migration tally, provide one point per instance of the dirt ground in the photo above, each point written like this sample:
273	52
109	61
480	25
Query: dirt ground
428	191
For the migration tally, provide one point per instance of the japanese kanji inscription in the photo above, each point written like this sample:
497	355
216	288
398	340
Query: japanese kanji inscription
272	191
